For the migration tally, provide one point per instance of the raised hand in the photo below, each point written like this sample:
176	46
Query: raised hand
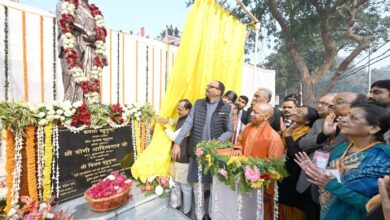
330	126
318	176
303	160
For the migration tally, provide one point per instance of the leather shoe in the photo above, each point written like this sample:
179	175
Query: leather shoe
188	215
206	217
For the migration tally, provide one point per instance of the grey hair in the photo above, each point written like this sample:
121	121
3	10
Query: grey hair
267	92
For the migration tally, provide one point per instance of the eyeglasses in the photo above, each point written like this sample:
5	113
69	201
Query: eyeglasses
341	102
211	87
323	103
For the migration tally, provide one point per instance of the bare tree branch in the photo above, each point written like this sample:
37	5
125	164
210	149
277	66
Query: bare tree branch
290	42
328	41
363	43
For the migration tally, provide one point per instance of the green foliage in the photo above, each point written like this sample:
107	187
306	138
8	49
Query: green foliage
99	114
15	116
147	112
231	170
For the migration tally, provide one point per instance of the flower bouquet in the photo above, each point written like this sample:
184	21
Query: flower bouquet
32	209
159	185
250	173
109	193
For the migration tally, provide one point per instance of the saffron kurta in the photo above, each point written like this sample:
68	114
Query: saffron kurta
262	143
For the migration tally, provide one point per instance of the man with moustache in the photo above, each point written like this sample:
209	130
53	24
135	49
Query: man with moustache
241	102
210	118
380	95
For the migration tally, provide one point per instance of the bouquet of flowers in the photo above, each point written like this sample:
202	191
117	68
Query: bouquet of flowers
34	210
159	185
251	173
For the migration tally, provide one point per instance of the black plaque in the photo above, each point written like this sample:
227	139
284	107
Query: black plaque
90	155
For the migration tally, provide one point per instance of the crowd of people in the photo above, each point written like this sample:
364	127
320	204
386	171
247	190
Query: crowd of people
337	152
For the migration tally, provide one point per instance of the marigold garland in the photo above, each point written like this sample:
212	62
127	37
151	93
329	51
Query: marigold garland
47	158
31	162
9	165
143	136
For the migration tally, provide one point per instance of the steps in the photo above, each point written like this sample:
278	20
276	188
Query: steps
139	207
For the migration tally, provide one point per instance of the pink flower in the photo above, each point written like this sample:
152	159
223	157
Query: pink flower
252	175
199	152
112	185
223	172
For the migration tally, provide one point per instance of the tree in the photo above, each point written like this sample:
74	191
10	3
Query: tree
170	31
315	32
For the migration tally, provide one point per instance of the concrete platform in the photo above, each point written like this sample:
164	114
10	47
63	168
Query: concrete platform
139	207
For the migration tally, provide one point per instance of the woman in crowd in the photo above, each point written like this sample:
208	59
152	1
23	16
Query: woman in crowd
353	169
229	97
238	126
291	203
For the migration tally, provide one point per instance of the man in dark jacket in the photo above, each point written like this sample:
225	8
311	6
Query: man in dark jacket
209	119
181	164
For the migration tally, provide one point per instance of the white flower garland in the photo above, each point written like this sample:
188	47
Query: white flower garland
96	127
18	169
200	191
55	184
70	43
148	136
74	129
40	160
133	140
239	206
114	125
276	199
260	206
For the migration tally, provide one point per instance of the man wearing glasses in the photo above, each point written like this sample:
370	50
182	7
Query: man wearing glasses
209	119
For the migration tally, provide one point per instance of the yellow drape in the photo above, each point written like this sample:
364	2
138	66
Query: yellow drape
212	48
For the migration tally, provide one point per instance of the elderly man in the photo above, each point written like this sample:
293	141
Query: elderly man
210	118
263	95
259	140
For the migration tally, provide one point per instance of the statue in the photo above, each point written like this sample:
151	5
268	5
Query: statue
81	42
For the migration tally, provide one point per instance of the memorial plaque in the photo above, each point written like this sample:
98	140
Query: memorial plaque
91	155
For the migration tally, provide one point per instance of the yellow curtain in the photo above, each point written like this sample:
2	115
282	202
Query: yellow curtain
212	48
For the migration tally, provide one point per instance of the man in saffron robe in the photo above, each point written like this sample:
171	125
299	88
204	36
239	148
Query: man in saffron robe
259	140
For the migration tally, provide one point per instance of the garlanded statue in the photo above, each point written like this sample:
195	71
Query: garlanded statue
81	42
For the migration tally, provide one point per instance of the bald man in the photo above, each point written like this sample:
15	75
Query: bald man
258	139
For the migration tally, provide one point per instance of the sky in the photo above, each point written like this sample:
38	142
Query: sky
154	15
128	15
